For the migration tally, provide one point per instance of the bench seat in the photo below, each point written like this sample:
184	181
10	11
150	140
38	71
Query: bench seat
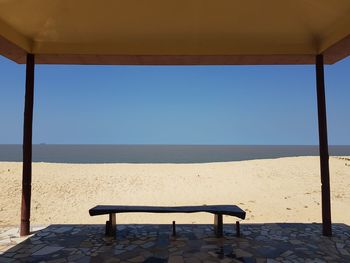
217	210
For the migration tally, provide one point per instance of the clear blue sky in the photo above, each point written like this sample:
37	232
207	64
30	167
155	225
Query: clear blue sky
175	105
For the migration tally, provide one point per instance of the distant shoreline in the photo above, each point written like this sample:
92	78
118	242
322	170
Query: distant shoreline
98	153
170	144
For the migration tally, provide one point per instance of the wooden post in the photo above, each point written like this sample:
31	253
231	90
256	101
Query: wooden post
218	225
323	144
238	231
174	229
27	147
111	226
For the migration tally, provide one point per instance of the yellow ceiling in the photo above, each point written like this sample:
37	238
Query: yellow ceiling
174	27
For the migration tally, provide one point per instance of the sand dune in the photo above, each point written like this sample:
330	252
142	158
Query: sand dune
273	190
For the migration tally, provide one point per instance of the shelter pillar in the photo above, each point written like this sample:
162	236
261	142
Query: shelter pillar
27	147
323	146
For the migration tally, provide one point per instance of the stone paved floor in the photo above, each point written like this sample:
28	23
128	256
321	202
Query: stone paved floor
193	243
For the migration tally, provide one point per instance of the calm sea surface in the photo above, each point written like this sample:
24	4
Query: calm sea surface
160	153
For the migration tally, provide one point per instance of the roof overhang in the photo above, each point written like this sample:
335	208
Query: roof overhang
175	32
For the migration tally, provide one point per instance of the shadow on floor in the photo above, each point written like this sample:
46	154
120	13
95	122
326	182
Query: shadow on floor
285	242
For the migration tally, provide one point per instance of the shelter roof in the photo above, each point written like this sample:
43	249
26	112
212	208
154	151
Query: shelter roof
175	32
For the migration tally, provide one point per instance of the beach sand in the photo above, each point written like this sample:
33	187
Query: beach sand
271	190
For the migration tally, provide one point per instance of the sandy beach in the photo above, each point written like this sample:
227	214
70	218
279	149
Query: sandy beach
270	190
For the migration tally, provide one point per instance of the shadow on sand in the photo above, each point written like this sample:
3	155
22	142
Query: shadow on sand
287	242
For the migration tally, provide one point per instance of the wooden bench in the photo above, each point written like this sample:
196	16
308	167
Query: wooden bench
217	210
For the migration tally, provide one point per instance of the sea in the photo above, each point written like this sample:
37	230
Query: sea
93	153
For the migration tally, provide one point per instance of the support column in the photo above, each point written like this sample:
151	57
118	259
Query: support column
323	146
27	147
218	225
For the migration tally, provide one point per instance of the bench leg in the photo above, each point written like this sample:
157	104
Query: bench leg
174	229
111	226
218	225
238	231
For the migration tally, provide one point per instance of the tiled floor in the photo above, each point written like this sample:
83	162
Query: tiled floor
193	243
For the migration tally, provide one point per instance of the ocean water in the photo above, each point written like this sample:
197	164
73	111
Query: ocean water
160	153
